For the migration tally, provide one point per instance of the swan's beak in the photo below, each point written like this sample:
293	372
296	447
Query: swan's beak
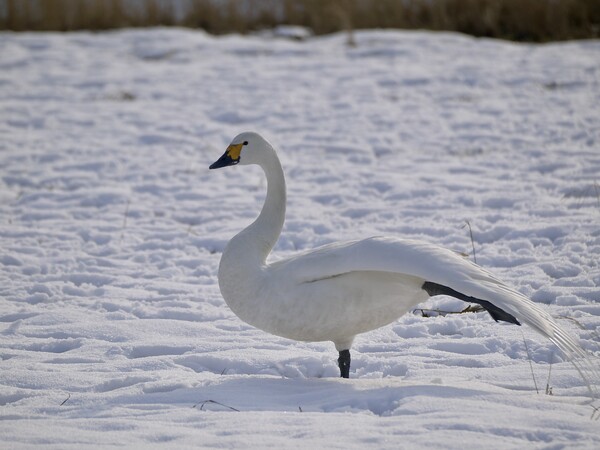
229	158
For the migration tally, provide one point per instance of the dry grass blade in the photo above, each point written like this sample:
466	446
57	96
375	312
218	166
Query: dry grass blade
468	224
66	399
595	413
548	387
213	402
530	364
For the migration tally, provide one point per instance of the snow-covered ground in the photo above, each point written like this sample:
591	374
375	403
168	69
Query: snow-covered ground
112	328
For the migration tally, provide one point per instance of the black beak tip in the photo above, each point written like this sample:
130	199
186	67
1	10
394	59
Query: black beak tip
223	161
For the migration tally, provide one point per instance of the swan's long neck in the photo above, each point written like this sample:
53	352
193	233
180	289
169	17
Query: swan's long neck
257	240
268	225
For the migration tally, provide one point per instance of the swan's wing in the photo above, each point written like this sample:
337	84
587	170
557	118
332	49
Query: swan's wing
434	264
417	258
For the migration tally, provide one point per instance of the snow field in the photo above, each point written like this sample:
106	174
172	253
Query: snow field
112	328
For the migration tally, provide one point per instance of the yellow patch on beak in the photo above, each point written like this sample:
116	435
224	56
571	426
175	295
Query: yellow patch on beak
234	150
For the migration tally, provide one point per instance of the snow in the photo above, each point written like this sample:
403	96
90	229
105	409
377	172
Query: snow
113	330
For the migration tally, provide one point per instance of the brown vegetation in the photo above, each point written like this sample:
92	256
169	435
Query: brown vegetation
529	20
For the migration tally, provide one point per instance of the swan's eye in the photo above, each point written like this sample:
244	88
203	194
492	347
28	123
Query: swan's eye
245	143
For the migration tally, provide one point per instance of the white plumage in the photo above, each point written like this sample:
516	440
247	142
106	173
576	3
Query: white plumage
343	289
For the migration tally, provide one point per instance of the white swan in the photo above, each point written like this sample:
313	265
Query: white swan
343	289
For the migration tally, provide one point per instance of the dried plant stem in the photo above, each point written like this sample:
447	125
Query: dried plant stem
203	403
548	388
66	399
530	363
468	224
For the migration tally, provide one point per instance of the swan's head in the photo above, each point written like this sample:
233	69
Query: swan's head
245	148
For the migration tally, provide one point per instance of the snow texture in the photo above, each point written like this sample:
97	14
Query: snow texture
113	332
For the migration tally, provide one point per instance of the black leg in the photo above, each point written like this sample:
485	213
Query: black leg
344	363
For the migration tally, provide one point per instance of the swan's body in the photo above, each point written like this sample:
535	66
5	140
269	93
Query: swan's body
293	298
343	289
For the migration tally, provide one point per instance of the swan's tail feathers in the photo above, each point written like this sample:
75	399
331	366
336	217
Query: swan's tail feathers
496	313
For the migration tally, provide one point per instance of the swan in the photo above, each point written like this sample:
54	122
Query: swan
343	289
